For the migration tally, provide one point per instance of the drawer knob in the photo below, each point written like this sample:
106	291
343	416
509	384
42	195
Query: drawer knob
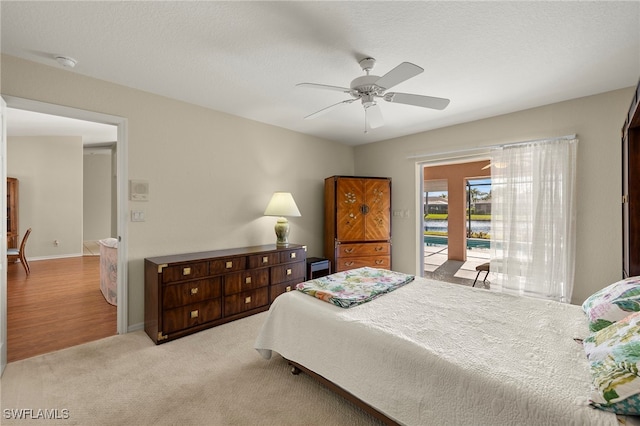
229	265
247	300
379	262
186	271
247	280
194	291
194	314
265	259
292	255
348	263
288	271
348	250
379	248
288	288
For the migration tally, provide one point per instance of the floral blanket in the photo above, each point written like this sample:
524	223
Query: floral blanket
354	287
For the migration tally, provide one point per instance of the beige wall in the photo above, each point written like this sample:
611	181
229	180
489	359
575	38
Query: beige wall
97	202
49	170
210	174
597	120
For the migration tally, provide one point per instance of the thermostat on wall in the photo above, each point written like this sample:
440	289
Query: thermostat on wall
138	190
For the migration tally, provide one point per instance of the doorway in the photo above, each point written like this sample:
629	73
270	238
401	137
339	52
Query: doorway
453	242
120	191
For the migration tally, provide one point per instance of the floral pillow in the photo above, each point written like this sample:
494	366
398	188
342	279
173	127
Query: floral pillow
612	303
614	358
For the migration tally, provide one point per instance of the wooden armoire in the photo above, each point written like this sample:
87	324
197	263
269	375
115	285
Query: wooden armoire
631	189
357	222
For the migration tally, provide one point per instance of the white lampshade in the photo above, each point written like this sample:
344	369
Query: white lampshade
282	204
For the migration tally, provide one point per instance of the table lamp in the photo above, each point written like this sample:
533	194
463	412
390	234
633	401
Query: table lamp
282	205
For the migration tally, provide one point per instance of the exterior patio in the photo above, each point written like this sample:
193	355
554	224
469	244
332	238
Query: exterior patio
438	266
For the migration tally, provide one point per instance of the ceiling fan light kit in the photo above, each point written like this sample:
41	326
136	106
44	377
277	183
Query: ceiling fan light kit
368	87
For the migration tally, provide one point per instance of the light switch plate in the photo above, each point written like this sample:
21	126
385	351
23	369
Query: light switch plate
137	216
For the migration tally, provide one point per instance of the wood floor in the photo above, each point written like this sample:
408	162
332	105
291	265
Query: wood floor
57	306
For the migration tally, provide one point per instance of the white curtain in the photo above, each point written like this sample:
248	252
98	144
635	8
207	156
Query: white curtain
533	216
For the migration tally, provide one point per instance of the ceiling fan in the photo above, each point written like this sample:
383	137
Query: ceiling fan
368	88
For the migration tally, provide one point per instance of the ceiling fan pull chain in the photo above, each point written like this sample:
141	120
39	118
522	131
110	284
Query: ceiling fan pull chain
365	121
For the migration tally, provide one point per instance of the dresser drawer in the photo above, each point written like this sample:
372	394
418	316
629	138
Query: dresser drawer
293	255
363	249
346	263
190	292
278	289
246	301
248	280
266	259
185	271
222	265
191	315
288	272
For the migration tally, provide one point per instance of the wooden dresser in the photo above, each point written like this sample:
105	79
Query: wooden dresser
186	293
357	227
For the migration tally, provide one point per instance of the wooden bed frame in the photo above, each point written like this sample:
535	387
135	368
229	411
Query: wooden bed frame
297	368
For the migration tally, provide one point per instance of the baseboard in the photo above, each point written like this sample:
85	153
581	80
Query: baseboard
3	357
61	256
135	327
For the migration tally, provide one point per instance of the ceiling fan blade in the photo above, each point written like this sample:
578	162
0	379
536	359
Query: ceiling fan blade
327	109
402	72
373	116
417	100
324	87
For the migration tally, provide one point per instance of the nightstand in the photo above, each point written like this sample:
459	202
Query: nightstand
317	267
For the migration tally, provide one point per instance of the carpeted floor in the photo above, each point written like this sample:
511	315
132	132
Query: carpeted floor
214	377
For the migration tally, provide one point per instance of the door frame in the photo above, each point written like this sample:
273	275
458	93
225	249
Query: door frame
3	239
437	159
122	189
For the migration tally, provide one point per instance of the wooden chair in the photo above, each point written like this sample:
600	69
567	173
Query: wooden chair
480	268
19	252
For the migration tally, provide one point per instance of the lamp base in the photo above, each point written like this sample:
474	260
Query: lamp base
282	232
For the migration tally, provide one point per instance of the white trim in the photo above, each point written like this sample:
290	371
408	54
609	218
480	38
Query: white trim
122	178
135	327
58	256
3	238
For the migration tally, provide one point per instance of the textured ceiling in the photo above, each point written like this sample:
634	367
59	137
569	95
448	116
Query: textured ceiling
244	58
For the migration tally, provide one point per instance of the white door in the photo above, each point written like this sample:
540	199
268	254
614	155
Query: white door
3	240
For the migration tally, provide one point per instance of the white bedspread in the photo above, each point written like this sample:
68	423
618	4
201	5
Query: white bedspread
434	353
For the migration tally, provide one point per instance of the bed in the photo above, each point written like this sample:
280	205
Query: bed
438	353
109	270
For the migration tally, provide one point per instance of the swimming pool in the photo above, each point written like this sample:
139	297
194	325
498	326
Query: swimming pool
443	241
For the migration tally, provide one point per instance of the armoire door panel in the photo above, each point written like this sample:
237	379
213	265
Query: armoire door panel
350	219
377	219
